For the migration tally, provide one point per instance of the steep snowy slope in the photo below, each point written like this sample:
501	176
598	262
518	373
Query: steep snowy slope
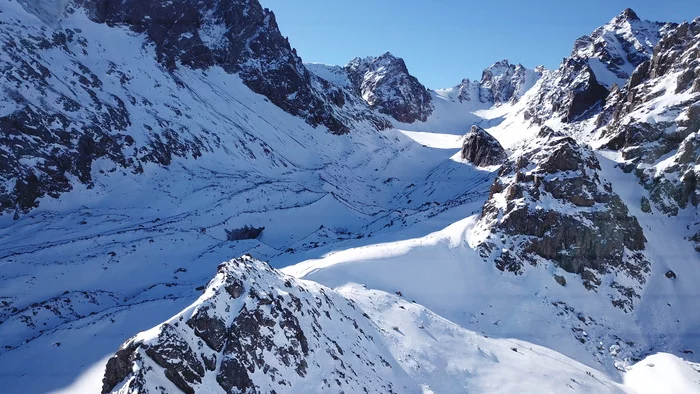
136	210
654	122
614	50
569	98
256	330
137	136
83	91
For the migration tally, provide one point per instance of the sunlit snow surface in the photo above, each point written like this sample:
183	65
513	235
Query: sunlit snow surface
395	214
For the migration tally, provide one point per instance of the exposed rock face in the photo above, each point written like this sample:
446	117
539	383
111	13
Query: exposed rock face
598	62
237	35
500	83
44	139
621	45
386	85
578	91
69	101
256	330
549	205
481	149
503	82
665	152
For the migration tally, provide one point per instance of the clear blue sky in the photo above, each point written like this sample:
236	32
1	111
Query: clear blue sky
443	41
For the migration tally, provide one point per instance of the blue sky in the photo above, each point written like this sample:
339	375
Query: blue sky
443	41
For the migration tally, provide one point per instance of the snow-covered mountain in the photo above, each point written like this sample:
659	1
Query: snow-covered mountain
500	83
599	61
384	83
654	122
550	248
255	329
74	96
549	206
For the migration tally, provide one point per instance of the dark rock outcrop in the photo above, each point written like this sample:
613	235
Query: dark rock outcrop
560	279
481	149
386	85
590	232
245	232
585	95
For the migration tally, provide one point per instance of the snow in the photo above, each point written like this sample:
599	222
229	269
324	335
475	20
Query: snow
451	116
441	268
434	140
49	11
89	381
333	74
661	374
662	311
444	357
398	212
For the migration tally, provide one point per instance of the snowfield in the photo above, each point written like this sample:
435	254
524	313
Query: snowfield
382	220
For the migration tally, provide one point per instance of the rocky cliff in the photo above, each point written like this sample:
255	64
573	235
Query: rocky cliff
655	123
550	206
579	87
386	85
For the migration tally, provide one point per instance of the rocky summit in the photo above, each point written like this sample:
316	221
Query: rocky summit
607	57
256	330
670	75
554	247
385	84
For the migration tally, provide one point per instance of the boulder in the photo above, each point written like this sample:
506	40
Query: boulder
482	149
560	279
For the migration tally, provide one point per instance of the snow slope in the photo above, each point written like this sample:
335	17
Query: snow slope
83	272
663	373
392	210
311	338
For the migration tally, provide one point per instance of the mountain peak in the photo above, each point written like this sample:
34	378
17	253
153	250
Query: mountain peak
386	85
497	68
629	14
501	63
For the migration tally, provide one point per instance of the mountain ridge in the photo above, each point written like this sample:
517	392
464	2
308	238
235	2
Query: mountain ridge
130	151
